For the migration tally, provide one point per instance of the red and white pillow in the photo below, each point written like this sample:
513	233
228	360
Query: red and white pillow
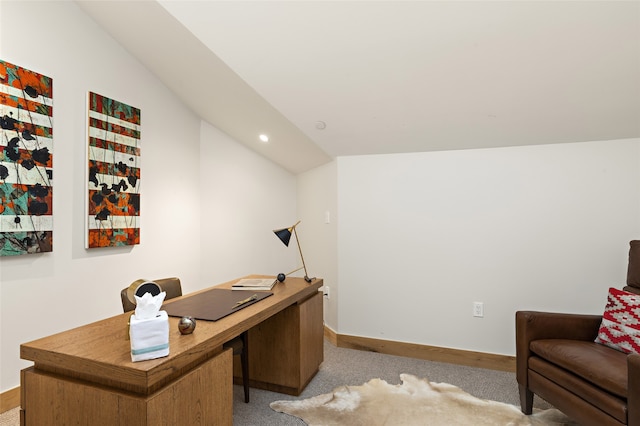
620	327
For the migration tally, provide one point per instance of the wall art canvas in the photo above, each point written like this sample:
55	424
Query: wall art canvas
113	173
26	171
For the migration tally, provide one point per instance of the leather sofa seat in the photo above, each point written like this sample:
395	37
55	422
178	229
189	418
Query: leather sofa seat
593	362
591	371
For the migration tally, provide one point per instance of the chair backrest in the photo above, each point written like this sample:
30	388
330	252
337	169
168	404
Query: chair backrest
633	273
171	286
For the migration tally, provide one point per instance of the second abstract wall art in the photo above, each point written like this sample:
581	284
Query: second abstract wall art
113	191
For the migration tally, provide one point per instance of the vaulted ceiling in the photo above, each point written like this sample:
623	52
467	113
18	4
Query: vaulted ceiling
331	78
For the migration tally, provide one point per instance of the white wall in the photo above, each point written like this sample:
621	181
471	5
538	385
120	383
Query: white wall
317	198
46	293
423	236
244	198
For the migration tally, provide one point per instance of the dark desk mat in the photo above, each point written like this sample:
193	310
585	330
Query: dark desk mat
211	305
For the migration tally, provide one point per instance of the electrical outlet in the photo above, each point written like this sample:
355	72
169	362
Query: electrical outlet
478	309
325	291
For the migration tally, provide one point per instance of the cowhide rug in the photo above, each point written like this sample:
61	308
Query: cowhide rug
414	402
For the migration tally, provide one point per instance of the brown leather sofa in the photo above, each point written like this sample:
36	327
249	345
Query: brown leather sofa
558	360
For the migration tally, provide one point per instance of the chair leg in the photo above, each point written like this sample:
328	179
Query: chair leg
526	399
244	361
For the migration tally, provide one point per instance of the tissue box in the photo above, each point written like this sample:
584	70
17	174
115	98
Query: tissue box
149	337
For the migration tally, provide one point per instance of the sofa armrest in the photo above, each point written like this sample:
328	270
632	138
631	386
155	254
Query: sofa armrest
532	325
633	395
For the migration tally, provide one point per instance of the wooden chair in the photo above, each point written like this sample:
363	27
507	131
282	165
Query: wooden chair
173	288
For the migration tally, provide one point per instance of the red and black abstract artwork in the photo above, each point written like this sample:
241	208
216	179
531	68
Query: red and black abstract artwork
26	158
113	173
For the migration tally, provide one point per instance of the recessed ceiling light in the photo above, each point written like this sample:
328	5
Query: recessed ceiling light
264	138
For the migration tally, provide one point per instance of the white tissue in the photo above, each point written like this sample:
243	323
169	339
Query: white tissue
148	306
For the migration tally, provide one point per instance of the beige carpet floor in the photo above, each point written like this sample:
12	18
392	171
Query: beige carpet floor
10	418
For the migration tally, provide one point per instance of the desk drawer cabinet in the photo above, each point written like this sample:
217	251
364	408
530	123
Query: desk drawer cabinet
286	350
201	396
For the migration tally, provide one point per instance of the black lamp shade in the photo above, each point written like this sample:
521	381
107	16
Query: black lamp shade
284	235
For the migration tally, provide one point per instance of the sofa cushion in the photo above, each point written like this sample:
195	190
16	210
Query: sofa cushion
613	405
620	327
598	364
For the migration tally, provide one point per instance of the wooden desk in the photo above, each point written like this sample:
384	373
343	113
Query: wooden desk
86	376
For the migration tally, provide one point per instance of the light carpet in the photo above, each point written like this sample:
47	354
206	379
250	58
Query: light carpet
10	418
413	402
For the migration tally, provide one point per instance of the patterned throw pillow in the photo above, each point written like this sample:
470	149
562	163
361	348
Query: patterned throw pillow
620	327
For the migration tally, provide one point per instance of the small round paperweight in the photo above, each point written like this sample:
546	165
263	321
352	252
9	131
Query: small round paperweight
187	325
281	277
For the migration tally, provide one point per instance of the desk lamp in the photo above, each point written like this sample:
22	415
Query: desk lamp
285	236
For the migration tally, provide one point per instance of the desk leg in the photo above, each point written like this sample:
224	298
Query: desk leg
202	396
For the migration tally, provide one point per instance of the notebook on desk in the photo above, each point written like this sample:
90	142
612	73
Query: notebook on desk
214	304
